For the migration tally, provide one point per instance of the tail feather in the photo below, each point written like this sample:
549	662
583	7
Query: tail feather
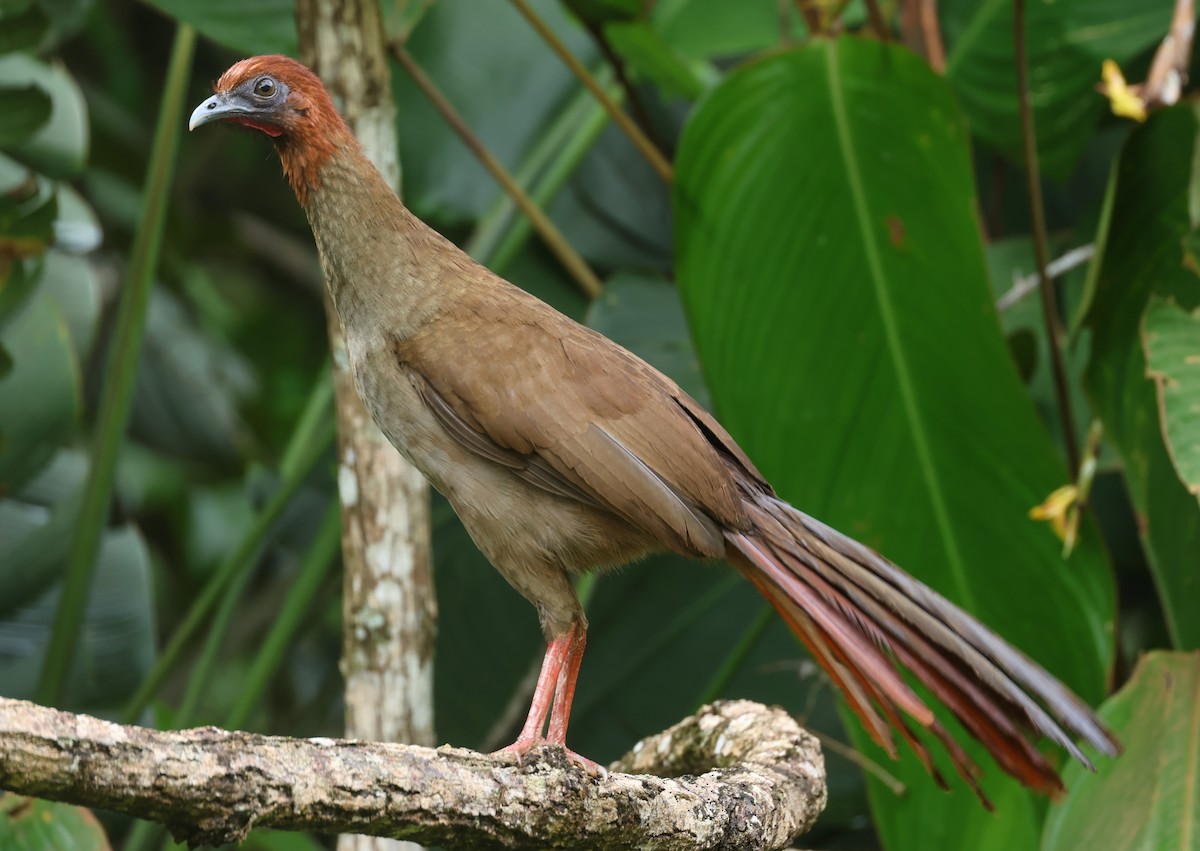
964	631
861	693
861	615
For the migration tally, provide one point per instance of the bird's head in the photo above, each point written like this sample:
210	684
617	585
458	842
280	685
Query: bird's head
280	97
273	94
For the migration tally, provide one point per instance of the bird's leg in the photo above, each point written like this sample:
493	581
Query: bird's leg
543	695
553	695
564	695
564	689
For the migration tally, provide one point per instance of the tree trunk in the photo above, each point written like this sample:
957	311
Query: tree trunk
389	608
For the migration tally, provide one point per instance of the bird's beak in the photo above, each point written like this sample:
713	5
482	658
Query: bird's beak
216	108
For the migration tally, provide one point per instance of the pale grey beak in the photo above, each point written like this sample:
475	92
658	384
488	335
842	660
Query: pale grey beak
215	108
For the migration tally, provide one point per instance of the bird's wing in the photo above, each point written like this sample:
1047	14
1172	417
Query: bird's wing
575	414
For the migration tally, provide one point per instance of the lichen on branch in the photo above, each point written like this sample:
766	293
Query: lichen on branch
750	778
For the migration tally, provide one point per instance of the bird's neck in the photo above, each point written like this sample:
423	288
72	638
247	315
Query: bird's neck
380	261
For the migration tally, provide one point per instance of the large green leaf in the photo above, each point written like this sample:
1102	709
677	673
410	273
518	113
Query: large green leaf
116	641
831	268
714	29
28	824
23	109
265	26
59	147
1146	255
441	176
35	529
22	30
1149	800
1066	41
40	397
1172	341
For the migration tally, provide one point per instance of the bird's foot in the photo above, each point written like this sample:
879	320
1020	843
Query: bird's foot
523	745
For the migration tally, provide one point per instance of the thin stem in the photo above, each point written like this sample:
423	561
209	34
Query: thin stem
931	32
566	254
214	637
647	149
551	183
121	373
811	15
863	761
312	437
631	96
737	656
542	159
319	558
879	24
1058	267
1054	329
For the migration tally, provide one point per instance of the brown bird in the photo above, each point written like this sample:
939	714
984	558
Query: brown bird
562	453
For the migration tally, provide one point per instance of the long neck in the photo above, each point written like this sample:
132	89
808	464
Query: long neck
381	263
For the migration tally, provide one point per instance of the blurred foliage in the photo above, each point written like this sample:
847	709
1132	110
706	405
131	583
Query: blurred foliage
1151	797
823	271
27	824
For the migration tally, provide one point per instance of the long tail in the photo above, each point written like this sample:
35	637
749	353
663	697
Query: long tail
860	615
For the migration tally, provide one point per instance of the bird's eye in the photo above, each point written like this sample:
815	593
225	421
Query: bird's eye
264	87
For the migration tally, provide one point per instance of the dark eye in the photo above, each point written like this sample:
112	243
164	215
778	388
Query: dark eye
264	87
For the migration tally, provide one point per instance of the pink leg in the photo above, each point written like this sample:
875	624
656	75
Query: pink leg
560	670
543	694
564	696
564	690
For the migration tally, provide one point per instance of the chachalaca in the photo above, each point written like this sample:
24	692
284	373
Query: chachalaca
563	453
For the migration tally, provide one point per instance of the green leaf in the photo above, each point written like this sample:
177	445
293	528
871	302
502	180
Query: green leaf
29	824
59	148
599	12
35	529
830	265
1171	338
23	110
653	60
67	17
18	280
183	371
116	638
715	29
1149	799
1145	255
279	840
40	398
1025	326
1066	42
442	178
265	26
27	214
22	30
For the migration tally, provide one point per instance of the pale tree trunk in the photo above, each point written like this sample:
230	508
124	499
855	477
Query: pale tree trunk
389	609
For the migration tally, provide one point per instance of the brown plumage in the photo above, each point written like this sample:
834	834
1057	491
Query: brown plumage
562	452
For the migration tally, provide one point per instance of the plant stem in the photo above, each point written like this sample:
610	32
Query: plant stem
737	656
1054	330
499	217
117	394
617	64
313	435
647	149
320	556
575	265
547	189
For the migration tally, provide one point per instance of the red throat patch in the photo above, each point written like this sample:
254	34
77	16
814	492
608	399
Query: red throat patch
269	129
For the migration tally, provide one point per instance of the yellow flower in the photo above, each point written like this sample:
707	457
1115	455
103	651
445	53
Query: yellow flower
1061	510
1124	99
